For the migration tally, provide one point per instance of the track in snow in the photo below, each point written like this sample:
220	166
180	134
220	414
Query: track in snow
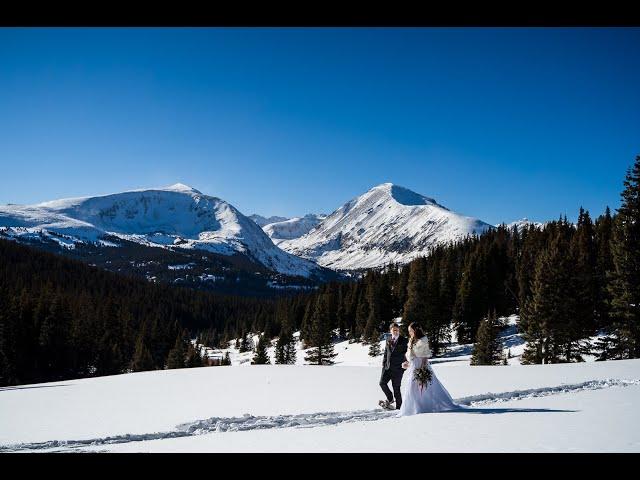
308	420
489	398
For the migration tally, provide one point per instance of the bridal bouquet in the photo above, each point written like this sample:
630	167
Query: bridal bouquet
423	376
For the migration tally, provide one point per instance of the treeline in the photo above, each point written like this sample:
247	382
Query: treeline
456	286
567	281
587	279
61	319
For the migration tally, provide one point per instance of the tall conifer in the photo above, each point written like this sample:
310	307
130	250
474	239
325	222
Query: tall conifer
487	349
625	277
321	351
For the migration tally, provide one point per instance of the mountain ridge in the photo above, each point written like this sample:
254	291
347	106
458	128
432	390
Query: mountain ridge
387	224
174	216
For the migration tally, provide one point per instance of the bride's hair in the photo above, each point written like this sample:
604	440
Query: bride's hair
417	330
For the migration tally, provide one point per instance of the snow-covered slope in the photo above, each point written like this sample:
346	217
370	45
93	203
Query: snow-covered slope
387	224
292	228
178	216
588	407
262	221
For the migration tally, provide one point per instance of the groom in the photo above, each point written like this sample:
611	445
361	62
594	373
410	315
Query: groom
394	352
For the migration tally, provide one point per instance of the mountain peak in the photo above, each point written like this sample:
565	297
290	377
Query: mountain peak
383	186
181	187
403	195
157	218
387	224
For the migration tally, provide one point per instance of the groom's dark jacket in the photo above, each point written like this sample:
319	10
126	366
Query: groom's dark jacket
394	355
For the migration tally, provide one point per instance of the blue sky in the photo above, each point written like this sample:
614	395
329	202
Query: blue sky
494	123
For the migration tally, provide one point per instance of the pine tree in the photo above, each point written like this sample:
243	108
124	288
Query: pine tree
286	349
280	352
331	301
472	298
194	357
341	315
385	300
374	346
7	346
547	319
55	339
177	355
401	291
305	329
362	314
436	319
625	277
268	328
604	267
142	360
244	345
226	360
374	320
583	292
321	351
531	245
415	308
291	352
488	348
226	336
261	357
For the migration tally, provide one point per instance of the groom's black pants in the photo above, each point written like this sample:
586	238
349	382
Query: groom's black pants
395	375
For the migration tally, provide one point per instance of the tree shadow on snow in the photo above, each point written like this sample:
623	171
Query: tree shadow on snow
493	410
2	389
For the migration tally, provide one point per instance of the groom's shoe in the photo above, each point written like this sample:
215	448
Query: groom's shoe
386	404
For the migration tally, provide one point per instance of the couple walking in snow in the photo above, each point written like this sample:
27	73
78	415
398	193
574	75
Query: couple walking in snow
422	392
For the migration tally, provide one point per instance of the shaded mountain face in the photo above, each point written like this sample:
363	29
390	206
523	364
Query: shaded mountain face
176	218
387	224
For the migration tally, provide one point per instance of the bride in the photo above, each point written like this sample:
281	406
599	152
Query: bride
432	397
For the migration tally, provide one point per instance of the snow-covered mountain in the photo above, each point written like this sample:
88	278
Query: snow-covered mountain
387	224
262	221
524	223
293	228
177	216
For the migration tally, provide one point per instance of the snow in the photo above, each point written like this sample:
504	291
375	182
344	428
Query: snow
176	216
524	223
106	243
589	406
357	354
262	221
206	277
185	266
387	224
292	228
279	286
564	407
180	187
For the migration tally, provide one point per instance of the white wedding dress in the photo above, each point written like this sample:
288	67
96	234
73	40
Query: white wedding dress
430	398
